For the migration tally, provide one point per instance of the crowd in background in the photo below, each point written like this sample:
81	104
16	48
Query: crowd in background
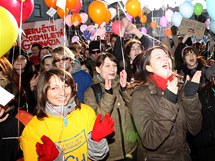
159	97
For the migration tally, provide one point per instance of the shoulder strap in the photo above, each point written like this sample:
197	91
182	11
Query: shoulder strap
97	91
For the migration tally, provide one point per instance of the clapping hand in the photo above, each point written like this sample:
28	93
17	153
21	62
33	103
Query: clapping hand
123	78
173	86
196	77
102	128
48	150
191	87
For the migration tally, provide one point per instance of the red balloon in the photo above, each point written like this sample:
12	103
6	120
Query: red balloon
71	4
14	7
78	7
116	26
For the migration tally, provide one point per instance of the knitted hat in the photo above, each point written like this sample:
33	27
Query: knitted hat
187	48
94	45
210	72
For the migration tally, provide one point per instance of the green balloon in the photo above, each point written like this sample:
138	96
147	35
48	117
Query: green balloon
198	8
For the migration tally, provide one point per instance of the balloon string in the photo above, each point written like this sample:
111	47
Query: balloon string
121	8
152	19
63	92
20	73
120	33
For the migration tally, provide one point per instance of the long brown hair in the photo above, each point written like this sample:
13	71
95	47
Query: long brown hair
44	84
10	81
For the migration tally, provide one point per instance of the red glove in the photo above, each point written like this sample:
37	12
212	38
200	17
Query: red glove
102	128
47	151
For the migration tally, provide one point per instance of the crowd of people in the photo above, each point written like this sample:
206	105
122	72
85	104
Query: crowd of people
134	100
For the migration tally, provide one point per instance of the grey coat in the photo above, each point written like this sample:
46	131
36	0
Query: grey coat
163	125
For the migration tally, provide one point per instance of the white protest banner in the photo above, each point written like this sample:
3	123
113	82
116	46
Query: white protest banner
45	33
5	96
192	27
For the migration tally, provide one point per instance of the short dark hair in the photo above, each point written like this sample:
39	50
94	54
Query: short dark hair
129	44
103	56
188	49
36	45
113	36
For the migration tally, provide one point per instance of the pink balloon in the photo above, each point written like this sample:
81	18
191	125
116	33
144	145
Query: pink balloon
207	23
14	7
113	12
143	30
93	37
75	39
168	15
101	31
103	24
116	26
129	17
84	17
163	21
83	28
92	30
78	7
68	20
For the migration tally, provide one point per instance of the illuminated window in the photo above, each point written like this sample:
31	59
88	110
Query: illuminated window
37	10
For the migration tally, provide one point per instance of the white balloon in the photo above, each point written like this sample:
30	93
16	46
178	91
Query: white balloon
75	39
83	28
84	17
186	9
176	19
113	12
68	20
168	15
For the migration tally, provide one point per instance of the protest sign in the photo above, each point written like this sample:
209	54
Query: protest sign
45	33
192	27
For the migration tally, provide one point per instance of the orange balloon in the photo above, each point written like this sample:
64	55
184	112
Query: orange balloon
133	7
62	13
97	11
51	3
71	4
143	19
141	13
76	19
153	24
108	16
168	32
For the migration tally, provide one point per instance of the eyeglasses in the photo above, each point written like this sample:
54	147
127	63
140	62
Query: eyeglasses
63	59
93	52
